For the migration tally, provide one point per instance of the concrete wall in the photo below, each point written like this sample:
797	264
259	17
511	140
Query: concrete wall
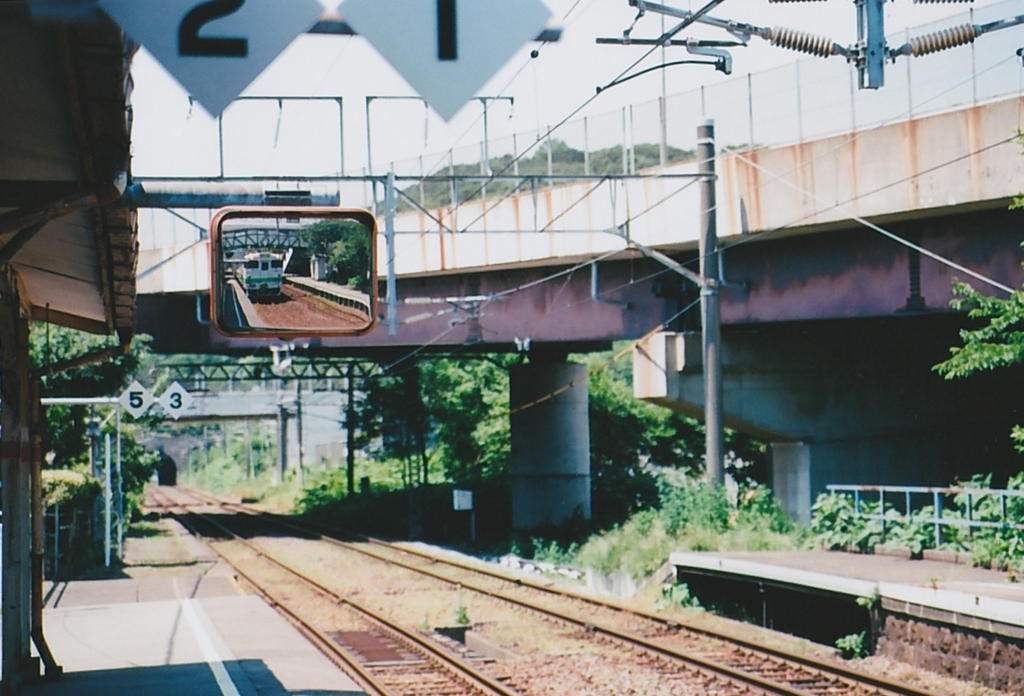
853	402
550	458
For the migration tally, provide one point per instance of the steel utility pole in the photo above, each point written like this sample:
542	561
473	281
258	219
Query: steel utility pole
709	308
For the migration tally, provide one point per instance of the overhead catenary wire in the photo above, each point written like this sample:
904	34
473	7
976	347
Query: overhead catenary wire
494	203
725	246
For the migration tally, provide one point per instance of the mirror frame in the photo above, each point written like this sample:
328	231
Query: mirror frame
217	279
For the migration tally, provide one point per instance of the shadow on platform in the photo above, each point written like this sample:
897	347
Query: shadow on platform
250	677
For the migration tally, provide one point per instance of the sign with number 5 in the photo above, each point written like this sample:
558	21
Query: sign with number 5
136	399
214	48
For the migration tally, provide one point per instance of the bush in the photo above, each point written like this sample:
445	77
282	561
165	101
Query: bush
75	494
695	515
695	503
638	548
834	525
853	646
63	487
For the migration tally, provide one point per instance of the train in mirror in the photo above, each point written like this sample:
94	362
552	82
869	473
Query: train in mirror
293	271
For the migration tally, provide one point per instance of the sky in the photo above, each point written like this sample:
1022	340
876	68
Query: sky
173	137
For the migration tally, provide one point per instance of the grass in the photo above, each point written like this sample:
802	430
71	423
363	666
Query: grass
694	516
223	477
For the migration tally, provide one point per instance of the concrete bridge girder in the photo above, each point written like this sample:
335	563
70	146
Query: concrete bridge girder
928	166
845	402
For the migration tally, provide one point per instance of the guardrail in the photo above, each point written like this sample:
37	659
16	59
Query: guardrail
937	497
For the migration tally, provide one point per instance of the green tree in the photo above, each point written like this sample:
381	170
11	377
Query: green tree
997	342
467	405
64	428
345	244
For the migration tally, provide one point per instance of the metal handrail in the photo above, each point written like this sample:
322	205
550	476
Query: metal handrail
937	494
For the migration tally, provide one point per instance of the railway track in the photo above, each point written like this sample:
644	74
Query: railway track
385	658
736	661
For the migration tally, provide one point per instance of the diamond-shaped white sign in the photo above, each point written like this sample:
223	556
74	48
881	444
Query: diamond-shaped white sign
176	400
214	48
136	399
446	49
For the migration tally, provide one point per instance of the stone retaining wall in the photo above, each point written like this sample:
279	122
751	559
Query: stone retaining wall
964	653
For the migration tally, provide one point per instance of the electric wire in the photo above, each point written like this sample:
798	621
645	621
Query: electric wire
513	161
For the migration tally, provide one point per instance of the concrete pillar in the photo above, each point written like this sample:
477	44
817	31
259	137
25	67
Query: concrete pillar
550	458
845	402
791	478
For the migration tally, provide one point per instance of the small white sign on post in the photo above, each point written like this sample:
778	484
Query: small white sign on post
447	49
136	399
462	500
176	400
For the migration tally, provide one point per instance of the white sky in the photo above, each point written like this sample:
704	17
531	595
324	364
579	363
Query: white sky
171	138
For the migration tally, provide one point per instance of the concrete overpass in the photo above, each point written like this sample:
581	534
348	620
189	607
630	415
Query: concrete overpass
841	237
830	325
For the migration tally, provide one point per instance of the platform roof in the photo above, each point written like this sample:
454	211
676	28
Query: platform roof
65	121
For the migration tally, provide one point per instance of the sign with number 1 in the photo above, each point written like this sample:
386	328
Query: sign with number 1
447	49
214	48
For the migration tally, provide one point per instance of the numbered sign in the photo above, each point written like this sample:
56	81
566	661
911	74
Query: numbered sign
136	399
176	401
214	48
447	49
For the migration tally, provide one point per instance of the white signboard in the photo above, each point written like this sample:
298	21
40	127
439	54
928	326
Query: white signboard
462	500
176	400
446	49
136	399
214	48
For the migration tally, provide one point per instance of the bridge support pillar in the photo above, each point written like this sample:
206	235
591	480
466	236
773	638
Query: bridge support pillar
550	441
791	477
845	402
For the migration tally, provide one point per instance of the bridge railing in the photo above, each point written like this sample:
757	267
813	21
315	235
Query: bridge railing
800	101
978	507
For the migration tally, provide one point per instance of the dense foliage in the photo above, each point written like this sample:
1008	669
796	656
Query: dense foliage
999	340
690	514
445	422
65	429
345	245
836	524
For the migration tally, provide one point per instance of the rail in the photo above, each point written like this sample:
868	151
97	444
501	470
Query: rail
742	667
937	496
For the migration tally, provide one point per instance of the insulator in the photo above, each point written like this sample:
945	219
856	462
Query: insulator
801	41
941	40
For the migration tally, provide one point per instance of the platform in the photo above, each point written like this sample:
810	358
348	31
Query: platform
951	592
185	627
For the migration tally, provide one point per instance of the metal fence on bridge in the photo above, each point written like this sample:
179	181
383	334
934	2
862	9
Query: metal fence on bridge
800	101
804	100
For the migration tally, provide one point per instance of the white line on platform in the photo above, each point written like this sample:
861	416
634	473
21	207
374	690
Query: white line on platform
210	654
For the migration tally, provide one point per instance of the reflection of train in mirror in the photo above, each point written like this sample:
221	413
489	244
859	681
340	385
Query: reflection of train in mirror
261	273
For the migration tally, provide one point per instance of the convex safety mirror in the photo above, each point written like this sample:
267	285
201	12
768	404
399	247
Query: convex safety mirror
293	271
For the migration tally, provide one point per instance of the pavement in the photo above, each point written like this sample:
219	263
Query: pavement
173	621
